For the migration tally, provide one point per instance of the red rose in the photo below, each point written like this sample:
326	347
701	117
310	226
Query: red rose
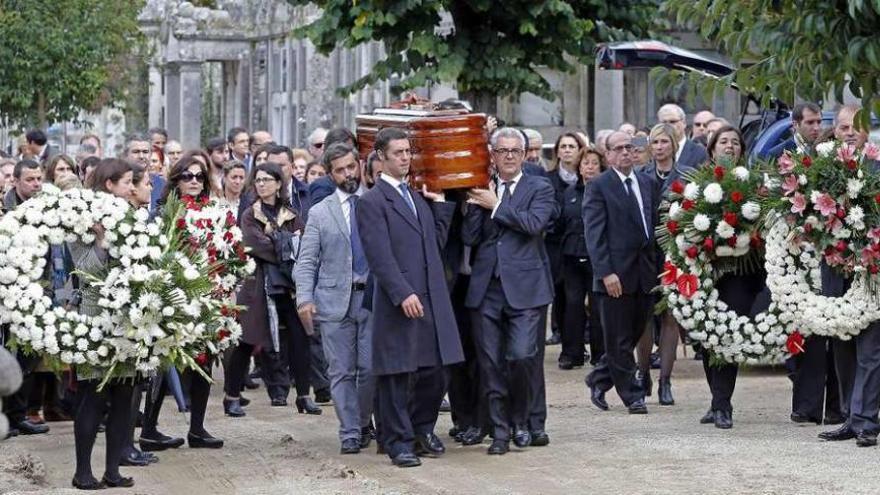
227	236
719	172
670	273
840	246
806	161
841	213
223	334
687	285
730	218
736	196
873	269
181	223
692	251
708	244
230	219
731	241
795	343
808	227
687	204
877	199
852	164
677	187
202	359
755	241
672	226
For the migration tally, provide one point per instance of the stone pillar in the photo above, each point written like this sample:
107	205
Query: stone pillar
172	101
242	95
156	101
190	104
608	111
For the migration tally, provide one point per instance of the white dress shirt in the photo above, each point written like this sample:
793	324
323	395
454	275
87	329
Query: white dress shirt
396	185
634	184
500	190
680	149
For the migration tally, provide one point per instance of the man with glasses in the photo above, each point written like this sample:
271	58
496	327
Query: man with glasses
690	154
619	224
510	288
700	132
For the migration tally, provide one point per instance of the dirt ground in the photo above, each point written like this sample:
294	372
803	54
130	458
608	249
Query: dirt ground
277	451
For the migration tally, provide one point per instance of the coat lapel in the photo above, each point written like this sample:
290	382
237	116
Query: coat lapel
336	212
399	204
646	191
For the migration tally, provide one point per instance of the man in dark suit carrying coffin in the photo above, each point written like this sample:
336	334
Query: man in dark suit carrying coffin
619	227
414	333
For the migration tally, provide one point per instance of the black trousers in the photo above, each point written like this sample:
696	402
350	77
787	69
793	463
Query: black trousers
557	316
236	368
815	392
293	358
578	276
407	404
845	359
318	376
624	320
722	380
199	392
465	400
538	404
865	402
115	401
507	350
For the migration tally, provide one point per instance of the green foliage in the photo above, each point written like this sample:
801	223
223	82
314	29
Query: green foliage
808	48
64	56
495	47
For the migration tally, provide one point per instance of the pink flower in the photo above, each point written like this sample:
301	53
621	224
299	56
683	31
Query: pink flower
834	258
871	151
845	153
790	184
786	164
826	205
874	234
833	224
798	203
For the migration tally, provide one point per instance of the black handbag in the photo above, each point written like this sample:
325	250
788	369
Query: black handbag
279	277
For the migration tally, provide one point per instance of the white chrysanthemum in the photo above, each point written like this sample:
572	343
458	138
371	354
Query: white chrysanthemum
750	210
713	193
691	191
741	173
854	187
825	149
702	222
724	230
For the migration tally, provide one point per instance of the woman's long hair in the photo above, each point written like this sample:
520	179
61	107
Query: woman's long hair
111	169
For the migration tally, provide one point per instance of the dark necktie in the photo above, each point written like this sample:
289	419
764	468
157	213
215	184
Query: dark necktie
635	203
404	189
358	259
505	197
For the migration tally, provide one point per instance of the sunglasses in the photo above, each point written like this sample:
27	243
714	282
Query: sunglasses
318	145
188	176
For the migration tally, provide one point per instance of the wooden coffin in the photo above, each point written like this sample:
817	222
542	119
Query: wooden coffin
450	147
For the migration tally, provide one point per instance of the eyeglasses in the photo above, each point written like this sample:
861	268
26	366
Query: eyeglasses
507	151
264	180
188	176
701	124
623	147
317	145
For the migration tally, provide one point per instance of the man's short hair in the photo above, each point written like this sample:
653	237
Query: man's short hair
215	144
386	135
533	135
672	107
335	152
86	137
850	107
797	114
278	149
508	132
135	137
339	135
20	166
235	131
159	131
36	136
315	132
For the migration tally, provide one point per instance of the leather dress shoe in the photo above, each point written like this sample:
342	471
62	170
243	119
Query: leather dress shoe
866	439
406	459
664	392
232	407
279	402
350	446
597	397
134	458
521	437
149	456
91	484
429	446
540	438
638	407
473	436
457	433
724	420
839	434
250	384
121	482
158	441
322	396
27	427
802	418
305	405
566	363
499	447
708	418
203	441
644	381
243	401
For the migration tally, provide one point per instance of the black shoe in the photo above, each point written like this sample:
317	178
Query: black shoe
724	420
158	442
12	432
350	446
456	433
644	381
521	437
840	434
134	458
473	436
322	396
499	447
28	427
367	435
597	397
638	407
307	405
866	439
406	459
429	446
566	363
708	418
540	438
120	482
834	419
203	441
802	418
664	391
279	402
555	339
243	401
91	484
233	408
250	384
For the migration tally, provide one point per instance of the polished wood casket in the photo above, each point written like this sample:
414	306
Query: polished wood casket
450	147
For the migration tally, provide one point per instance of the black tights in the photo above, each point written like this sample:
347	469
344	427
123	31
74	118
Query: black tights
199	391
237	366
115	400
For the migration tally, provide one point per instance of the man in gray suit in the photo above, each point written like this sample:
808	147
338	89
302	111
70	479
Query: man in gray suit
331	274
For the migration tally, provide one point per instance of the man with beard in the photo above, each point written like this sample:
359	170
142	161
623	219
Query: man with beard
331	274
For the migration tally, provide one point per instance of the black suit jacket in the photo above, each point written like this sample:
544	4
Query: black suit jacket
692	156
515	239
615	235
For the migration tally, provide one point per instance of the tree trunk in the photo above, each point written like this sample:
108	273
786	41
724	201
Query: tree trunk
481	101
41	111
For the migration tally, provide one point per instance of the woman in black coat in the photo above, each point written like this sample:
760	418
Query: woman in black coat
577	271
